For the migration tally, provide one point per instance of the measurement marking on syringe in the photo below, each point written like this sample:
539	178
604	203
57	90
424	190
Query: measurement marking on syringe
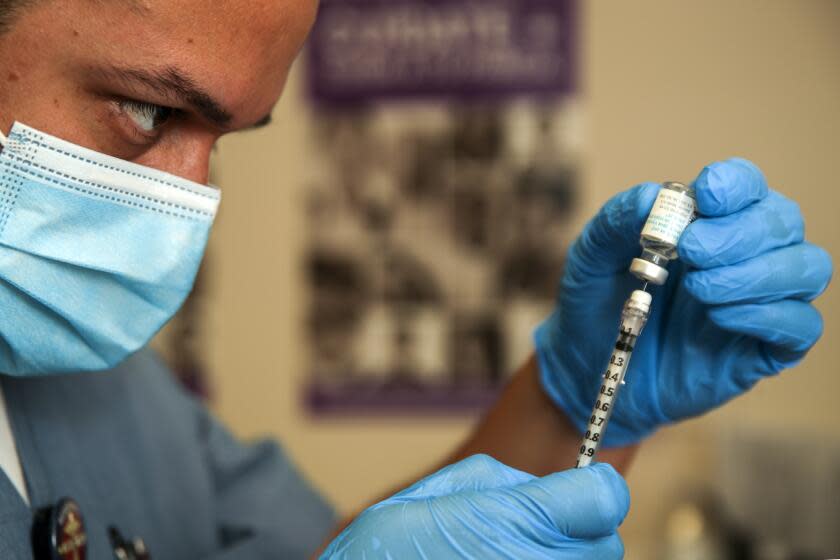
633	319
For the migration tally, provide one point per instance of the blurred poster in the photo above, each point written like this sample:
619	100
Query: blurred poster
366	49
447	140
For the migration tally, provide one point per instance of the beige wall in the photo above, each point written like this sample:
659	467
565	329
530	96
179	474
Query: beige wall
670	85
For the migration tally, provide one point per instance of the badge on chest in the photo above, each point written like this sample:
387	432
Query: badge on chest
58	532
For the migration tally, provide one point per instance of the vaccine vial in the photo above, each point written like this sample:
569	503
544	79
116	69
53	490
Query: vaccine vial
672	211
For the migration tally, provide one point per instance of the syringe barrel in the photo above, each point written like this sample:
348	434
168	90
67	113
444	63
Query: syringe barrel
633	318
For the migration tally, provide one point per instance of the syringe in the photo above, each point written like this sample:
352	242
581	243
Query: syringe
633	318
673	209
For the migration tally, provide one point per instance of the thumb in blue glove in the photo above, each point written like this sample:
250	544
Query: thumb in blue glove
480	508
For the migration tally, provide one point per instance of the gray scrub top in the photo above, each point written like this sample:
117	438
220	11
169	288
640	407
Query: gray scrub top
137	452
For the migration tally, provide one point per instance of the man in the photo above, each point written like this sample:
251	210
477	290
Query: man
97	252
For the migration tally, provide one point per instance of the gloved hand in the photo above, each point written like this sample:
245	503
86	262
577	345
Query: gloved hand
736	307
480	508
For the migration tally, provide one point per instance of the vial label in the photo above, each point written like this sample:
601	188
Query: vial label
671	214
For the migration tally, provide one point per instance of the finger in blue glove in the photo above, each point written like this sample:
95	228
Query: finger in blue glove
480	508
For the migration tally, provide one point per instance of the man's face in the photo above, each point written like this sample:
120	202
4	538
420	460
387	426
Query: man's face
151	81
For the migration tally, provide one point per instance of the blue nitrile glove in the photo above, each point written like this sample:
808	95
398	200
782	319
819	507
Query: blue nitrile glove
734	310
480	508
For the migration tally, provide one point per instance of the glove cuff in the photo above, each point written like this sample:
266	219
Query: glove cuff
575	392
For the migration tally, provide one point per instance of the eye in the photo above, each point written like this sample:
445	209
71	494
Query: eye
146	116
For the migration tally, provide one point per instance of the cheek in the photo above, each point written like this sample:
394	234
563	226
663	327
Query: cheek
61	110
185	153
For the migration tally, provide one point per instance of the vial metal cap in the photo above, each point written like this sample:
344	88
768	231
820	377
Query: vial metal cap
648	271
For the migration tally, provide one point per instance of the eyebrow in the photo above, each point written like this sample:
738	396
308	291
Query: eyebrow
172	82
263	122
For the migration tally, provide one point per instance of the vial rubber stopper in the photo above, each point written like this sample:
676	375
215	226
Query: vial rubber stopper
648	271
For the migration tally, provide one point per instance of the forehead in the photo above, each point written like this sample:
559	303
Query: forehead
239	50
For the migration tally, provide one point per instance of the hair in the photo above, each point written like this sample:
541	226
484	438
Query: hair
9	10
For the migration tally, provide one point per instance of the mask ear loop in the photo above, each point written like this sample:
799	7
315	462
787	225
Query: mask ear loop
3	140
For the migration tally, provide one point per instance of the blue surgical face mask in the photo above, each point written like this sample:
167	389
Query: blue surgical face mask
96	253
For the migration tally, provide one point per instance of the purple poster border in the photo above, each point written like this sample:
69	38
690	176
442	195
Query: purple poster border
364	50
